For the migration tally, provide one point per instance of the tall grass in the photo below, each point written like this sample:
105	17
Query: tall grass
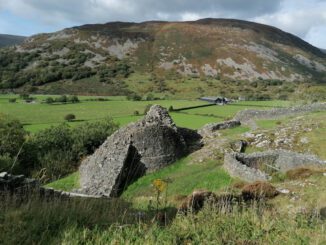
114	222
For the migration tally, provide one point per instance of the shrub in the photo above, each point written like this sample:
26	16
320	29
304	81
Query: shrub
49	100
150	97
70	117
24	96
12	100
62	99
57	151
171	108
259	190
136	113
12	138
134	97
73	99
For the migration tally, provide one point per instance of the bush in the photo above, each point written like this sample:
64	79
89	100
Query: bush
62	99
12	100
150	97
136	113
73	99
49	100
133	97
57	151
70	117
12	138
171	108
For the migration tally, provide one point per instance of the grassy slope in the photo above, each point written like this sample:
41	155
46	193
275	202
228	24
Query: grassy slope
183	178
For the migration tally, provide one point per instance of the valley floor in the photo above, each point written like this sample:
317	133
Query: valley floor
293	217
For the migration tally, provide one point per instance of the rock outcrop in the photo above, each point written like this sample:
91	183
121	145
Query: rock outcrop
145	146
260	166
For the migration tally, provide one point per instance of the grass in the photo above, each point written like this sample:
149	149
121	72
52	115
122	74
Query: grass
184	178
39	116
115	222
66	184
128	220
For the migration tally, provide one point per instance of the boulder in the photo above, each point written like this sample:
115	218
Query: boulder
145	146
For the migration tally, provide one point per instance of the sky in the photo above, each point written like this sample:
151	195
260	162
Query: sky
304	18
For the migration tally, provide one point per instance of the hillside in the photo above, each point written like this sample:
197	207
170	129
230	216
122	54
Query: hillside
9	40
160	57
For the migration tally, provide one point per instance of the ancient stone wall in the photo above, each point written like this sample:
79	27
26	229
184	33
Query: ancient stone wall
247	115
260	165
212	127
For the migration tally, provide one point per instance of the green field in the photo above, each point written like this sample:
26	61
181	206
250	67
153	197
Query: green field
37	116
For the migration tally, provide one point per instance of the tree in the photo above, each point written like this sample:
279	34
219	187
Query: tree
73	99
70	117
49	100
62	99
12	138
12	100
150	97
134	97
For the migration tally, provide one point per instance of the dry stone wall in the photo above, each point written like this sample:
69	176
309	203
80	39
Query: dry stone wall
248	115
259	166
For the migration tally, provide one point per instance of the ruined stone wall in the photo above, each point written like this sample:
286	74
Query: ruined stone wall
212	127
247	115
253	167
145	146
242	171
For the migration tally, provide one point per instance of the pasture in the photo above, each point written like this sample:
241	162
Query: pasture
38	115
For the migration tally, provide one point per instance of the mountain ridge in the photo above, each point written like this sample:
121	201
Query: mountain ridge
218	49
8	40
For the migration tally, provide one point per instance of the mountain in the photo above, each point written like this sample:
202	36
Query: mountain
8	40
156	53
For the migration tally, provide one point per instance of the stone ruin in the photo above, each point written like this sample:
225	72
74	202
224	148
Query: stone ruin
260	166
141	147
22	188
210	128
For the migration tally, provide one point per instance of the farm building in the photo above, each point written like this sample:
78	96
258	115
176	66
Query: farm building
215	100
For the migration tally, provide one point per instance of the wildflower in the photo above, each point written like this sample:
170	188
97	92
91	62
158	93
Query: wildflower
159	185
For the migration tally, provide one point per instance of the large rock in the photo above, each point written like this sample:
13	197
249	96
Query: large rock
145	146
